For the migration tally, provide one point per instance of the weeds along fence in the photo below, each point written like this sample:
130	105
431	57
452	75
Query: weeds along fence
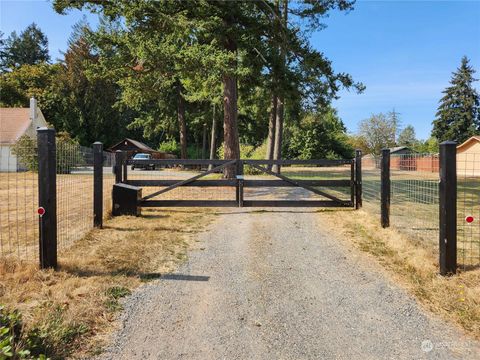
404	191
69	174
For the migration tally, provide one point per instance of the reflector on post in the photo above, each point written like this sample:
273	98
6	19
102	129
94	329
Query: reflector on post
469	219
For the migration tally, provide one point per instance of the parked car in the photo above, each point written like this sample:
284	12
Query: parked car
143	165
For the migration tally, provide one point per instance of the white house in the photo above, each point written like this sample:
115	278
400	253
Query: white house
14	123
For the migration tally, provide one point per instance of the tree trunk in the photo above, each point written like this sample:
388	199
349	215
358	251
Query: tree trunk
230	126
181	122
204	142
271	130
277	151
213	138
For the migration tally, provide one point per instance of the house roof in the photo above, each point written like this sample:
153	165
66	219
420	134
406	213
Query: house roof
398	148
136	143
468	141
13	124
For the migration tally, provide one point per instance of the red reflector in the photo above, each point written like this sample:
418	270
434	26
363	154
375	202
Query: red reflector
41	211
469	219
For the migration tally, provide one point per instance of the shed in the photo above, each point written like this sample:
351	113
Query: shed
468	157
15	123
133	147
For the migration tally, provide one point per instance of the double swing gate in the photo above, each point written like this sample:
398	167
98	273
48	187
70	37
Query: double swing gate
243	183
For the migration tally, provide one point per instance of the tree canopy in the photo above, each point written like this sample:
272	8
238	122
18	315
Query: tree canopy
28	48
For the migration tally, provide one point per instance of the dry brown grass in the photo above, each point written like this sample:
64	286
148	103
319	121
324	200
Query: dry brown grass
75	305
415	266
18	211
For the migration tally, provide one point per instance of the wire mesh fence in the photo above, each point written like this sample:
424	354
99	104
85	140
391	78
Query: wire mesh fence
19	200
19	226
415	196
371	184
74	192
108	181
468	209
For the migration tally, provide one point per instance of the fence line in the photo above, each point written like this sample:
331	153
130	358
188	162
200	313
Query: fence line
468	209
19	221
18	203
415	194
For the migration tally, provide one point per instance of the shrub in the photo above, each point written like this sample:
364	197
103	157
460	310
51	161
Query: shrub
14	343
69	153
25	149
170	146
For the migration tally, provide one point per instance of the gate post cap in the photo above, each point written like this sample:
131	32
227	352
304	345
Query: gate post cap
44	128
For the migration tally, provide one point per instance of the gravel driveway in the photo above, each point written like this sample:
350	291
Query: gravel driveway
277	285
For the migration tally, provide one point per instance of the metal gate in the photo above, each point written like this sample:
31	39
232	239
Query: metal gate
255	183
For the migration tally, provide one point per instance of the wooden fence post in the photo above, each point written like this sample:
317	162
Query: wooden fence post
118	166
385	188
448	208
358	179
98	184
239	187
47	197
125	167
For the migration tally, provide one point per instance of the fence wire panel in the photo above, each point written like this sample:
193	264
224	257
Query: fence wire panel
415	196
19	200
74	192
108	181
173	172
468	209
371	184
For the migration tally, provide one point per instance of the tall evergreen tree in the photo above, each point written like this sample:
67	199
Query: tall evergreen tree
458	115
30	48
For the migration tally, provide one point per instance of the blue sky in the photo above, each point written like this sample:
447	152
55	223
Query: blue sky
403	51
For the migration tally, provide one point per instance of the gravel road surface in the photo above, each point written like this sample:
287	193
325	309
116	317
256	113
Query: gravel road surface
278	285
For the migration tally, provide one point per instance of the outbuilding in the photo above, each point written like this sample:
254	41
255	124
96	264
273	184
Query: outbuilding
468	157
133	147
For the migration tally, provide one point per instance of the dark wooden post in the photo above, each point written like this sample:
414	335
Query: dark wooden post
358	179
98	184
47	197
448	208
239	187
118	166
352	183
240	190
125	167
385	188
